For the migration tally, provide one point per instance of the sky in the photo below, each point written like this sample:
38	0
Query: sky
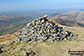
10	5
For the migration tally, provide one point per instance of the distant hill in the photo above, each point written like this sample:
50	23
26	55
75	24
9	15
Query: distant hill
73	18
12	22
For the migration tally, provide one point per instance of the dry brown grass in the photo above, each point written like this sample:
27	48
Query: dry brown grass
48	48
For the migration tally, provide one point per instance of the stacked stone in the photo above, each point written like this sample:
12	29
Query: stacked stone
42	29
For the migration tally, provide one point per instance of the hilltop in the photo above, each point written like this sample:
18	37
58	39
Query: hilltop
44	48
10	46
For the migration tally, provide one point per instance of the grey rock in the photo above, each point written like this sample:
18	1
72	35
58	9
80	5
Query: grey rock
41	30
34	38
19	38
12	42
3	46
25	39
27	53
1	51
22	49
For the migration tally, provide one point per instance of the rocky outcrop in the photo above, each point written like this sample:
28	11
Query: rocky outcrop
0	51
42	29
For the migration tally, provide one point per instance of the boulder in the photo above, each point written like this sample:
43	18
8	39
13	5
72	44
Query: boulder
12	41
1	51
3	46
22	49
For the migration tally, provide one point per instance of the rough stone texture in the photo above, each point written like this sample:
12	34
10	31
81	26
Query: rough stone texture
3	46
12	42
42	29
0	51
22	49
31	53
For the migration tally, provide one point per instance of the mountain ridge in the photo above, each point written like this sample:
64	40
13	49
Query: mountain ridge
73	18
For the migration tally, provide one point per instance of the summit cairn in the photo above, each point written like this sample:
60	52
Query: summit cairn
42	29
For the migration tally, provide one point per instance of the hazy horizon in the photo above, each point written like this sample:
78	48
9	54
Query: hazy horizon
23	5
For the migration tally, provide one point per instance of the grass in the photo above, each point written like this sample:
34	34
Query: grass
48	48
12	27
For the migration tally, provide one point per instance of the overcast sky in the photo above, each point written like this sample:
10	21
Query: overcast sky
8	5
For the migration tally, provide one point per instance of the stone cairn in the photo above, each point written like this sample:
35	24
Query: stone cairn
42	29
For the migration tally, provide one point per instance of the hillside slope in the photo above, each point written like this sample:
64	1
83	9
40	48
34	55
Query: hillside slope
45	48
73	18
9	46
